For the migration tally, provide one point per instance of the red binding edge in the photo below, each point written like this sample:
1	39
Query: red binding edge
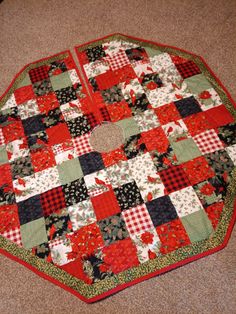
158	272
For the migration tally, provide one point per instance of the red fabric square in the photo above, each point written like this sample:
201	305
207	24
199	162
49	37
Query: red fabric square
113	157
58	134
198	123
120	256
24	94
174	178
125	74
47	102
156	139
214	212
167	113
119	111
198	170
52	201
105	205
13	131
107	80
9	218
172	235
42	159
39	73
187	69
5	175
219	116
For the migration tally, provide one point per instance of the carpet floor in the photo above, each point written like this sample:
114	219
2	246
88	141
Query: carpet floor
31	30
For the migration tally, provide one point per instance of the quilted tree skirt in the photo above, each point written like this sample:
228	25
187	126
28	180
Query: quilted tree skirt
118	171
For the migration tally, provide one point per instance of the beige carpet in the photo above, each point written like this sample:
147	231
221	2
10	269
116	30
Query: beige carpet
32	29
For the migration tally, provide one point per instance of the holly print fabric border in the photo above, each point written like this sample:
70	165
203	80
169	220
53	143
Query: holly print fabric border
95	223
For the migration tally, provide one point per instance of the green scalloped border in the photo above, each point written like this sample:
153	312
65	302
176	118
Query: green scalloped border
159	263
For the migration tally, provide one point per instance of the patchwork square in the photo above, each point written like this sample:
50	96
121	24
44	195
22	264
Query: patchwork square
97	182
137	219
60	81
161	210
75	192
220	162
112	95
28	109
118	60
139	104
82	144
30	209
92	120
227	134
128	195
136	54
202	226
21	167
206	193
164	160
65	95
95	53
187	106
42	87
134	146
119	174
188	69
155	139
13	235
58	224
33	125
69	171
81	214
42	159
129	127
60	250
113	229
91	162
185	201
185	150
174	178
105	205
172	236
39	73
52	201
146	120
78	126
53	117
208	142
167	113
29	237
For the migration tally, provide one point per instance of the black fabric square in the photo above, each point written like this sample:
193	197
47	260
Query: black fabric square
42	250
220	186
163	161
161	210
133	147
136	54
21	167
53	117
30	209
113	229
227	134
7	196
91	162
42	87
112	95
95	53
187	106
152	78
75	192
33	125
140	104
66	95
37	140
128	195
220	162
78	126
58	224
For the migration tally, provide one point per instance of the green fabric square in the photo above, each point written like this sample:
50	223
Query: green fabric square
152	52
33	233
129	126
60	81
197	226
3	155
25	82
69	171
198	83
185	150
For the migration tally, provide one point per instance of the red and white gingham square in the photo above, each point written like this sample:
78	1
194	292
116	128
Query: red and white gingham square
2	140
118	60
56	242
208	142
13	235
82	145
137	219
